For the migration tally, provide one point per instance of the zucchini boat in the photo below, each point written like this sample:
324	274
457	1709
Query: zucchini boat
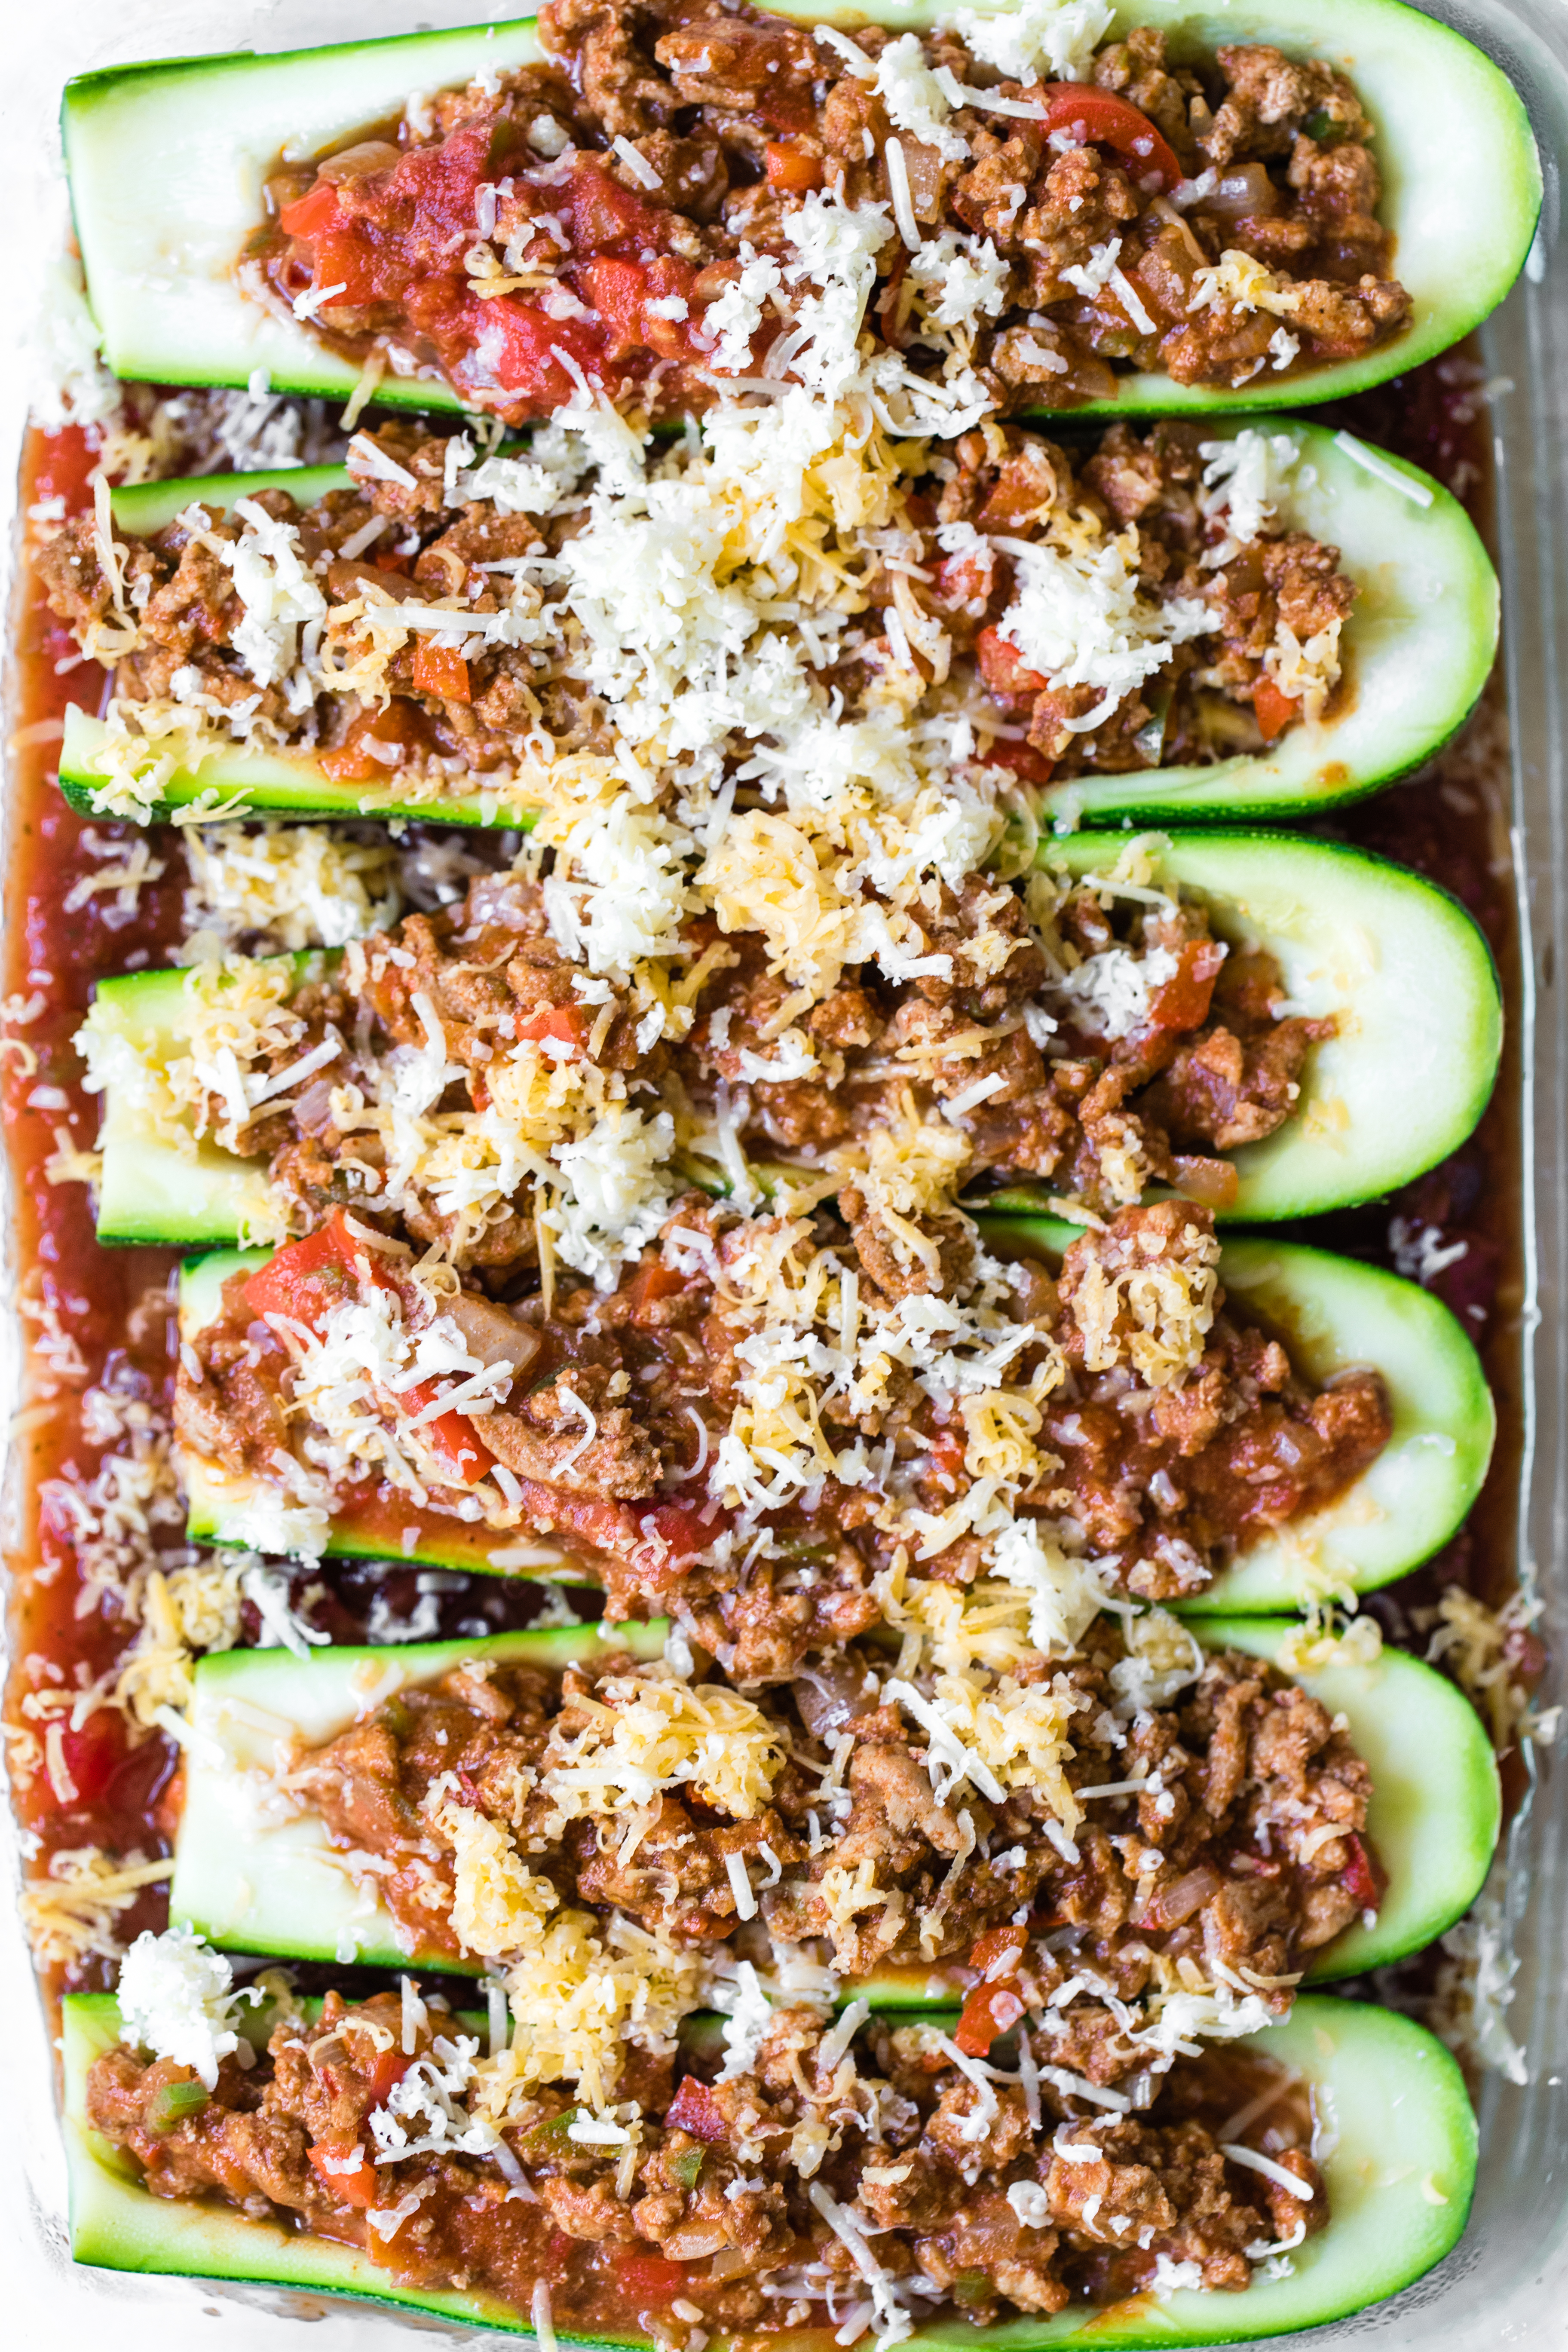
1434	1819
1416	652
275	783
1333	1313
167	163
252	1883
1400	964
1398	2156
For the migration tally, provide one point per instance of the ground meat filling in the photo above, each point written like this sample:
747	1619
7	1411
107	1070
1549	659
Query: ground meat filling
726	2195
598	219
1256	648
1109	1046
1084	1043
1237	1851
1178	1430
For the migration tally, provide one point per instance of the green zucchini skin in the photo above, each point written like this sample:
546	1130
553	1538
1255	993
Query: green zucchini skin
1400	2181
1418	652
1403	964
252	1887
1335	1313
167	163
1433	1820
206	130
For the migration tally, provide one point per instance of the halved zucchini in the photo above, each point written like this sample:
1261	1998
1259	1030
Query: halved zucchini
1404	969
253	1882
1434	1819
1399	2152
260	1884
167	163
1399	962
1334	1314
1416	651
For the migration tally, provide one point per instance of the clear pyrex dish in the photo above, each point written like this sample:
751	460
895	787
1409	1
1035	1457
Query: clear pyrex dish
1507	2280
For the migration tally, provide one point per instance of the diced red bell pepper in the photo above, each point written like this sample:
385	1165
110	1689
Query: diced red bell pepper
790	169
695	2110
441	670
652	2278
995	2006
390	2066
1001	667
1274	711
1182	1000
562	1023
1358	1878
1030	767
342	253
998	1944
358	2186
314	214
451	1437
305	1280
1104	119
396	728
990	2009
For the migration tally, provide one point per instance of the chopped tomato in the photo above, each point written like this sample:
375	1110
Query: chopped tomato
694	2109
683	1527
789	169
94	1752
66	459
1275	711
305	1280
526	353
990	2009
1359	1876
1182	1000
357	2186
1030	767
440	669
1001	667
601	214
1102	120
626	295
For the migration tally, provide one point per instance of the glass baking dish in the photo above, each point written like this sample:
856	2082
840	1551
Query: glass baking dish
1507	2281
